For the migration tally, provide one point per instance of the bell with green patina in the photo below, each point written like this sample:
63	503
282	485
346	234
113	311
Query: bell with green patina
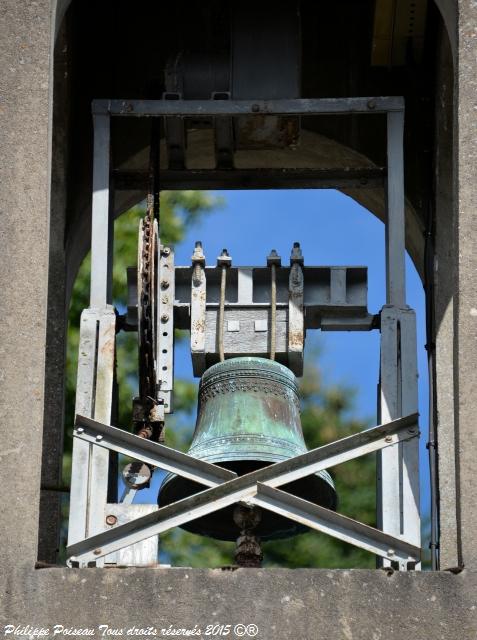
248	418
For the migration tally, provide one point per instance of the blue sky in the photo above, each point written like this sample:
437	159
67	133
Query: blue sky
332	229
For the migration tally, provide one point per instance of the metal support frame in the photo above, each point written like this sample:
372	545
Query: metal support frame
281	107
307	297
90	465
395	222
296	319
165	328
364	178
94	394
102	222
398	470
258	487
398	477
198	309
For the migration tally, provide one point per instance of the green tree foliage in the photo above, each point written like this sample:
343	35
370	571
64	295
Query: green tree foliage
325	410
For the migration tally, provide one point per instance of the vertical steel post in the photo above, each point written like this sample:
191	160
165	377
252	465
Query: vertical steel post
398	466
395	221
165	328
102	225
198	307
89	476
296	318
78	516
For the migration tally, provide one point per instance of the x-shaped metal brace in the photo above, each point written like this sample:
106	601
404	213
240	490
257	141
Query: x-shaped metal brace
256	488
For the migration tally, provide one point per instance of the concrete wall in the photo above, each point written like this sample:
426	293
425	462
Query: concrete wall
465	370
25	140
283	603
444	284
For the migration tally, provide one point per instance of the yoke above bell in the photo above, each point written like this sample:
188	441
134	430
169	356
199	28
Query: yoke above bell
248	418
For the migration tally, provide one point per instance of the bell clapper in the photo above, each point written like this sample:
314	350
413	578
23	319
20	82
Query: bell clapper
248	550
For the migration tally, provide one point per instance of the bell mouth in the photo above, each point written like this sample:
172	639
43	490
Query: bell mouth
317	488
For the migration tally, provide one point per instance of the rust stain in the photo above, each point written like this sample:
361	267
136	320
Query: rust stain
295	338
107	347
199	295
268	131
199	326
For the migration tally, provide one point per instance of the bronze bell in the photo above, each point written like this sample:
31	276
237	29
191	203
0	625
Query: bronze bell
248	417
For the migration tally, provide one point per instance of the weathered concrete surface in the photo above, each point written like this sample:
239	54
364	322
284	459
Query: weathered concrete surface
284	604
444	288
466	281
50	504
24	218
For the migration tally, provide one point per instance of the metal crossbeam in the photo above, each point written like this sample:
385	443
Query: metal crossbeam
335	524
151	452
170	179
298	106
245	487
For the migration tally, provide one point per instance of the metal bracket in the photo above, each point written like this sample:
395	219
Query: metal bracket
296	319
90	465
165	329
398	469
198	309
258	305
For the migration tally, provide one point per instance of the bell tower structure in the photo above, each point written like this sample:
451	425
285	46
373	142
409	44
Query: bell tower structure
104	104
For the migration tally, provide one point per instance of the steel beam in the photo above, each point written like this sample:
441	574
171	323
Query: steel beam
77	525
90	465
150	452
102	223
361	178
165	328
398	468
283	107
244	487
335	525
198	307
395	223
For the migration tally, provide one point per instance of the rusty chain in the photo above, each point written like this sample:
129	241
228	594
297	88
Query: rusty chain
146	426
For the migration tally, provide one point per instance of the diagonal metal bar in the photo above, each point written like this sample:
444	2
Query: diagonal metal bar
173	515
150	452
242	488
339	451
335	524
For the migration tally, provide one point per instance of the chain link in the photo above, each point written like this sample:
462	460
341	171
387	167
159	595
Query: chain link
147	371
